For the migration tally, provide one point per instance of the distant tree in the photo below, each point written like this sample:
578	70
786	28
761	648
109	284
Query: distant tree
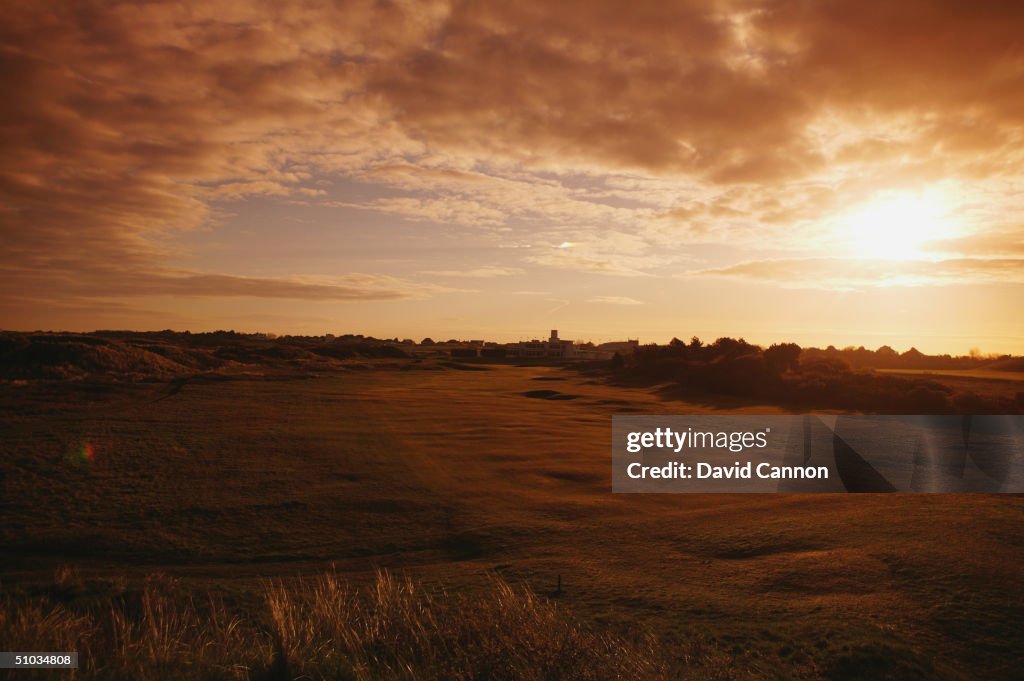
731	347
912	354
427	341
782	357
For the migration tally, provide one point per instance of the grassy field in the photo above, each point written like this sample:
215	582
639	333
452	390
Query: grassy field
455	477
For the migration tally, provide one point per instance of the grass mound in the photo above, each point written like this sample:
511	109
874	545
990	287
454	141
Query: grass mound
161	355
59	356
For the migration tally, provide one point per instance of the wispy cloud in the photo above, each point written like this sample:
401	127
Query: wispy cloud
447	210
632	135
486	272
99	281
849	273
615	300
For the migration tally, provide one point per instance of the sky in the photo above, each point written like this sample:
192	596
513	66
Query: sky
844	173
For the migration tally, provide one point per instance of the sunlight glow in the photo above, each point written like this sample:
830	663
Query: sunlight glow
896	226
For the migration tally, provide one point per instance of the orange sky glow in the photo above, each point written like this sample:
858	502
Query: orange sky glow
847	173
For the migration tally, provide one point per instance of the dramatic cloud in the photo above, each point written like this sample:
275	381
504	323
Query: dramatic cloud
133	133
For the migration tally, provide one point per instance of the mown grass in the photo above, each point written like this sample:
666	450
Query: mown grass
321	628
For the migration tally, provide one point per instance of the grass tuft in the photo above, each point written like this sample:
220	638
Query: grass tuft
321	628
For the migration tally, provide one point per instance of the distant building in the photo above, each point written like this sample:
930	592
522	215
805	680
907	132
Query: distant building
626	347
558	348
552	348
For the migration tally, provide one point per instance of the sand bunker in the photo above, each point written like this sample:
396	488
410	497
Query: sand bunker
549	395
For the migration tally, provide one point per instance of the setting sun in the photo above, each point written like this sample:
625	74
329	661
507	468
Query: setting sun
897	226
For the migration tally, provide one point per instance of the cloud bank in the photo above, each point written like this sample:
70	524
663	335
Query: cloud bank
633	133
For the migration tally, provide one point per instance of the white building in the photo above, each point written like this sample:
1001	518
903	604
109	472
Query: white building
552	348
557	348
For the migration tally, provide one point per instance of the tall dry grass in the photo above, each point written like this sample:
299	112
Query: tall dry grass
322	629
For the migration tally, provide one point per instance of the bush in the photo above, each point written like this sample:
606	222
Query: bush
779	375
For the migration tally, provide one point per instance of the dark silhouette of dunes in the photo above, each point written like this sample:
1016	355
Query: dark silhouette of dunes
167	354
785	374
69	356
1011	364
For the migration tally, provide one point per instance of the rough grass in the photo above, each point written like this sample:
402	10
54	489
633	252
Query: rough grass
153	356
321	629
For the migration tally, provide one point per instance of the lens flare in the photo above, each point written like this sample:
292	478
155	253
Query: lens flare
84	453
